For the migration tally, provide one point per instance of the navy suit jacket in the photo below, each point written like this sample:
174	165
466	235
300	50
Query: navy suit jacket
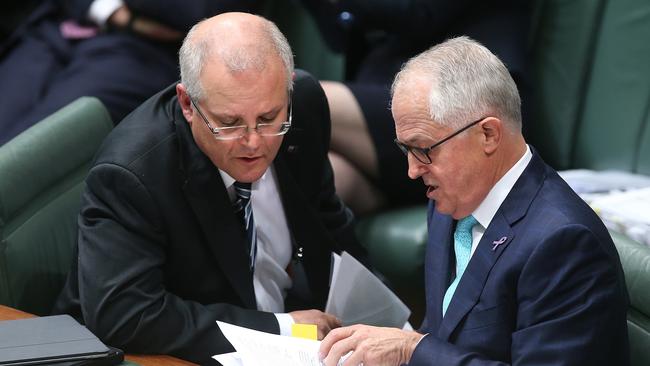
553	293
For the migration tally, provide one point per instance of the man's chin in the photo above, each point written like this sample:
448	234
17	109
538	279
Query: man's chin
248	173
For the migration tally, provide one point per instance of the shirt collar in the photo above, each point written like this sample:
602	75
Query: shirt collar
228	181
488	208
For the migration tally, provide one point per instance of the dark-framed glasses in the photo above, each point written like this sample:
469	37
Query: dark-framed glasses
275	128
422	153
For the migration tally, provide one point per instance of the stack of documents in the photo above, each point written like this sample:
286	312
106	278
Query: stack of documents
356	297
626	212
255	348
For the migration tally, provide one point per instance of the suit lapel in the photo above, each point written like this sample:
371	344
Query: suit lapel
308	238
494	242
207	195
471	284
439	262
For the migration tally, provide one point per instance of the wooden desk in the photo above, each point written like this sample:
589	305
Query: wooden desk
7	313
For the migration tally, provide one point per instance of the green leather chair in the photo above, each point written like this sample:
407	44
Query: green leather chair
41	177
591	110
635	258
311	52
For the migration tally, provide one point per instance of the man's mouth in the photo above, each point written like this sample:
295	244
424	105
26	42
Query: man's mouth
251	159
431	188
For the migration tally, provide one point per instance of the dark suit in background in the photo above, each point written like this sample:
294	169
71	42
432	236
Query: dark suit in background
161	252
552	293
42	70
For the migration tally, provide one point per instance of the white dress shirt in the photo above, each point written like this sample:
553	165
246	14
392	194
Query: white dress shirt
270	279
488	208
101	10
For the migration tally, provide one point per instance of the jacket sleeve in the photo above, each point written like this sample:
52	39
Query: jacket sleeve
178	14
122	252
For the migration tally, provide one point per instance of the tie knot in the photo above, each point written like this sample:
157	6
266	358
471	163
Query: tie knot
243	190
466	224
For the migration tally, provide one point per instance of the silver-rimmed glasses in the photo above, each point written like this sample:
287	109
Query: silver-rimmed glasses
275	128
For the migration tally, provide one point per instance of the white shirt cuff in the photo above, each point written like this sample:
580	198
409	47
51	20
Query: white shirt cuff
101	10
285	321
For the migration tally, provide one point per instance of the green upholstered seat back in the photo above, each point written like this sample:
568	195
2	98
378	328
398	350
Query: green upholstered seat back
592	84
311	52
635	258
41	176
396	243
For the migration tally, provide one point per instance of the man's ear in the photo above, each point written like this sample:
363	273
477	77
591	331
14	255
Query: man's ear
184	102
492	130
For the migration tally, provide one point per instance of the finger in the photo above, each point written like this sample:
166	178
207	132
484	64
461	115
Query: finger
335	322
340	348
333	337
355	358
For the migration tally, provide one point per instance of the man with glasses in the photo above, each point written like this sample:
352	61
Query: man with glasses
214	200
518	269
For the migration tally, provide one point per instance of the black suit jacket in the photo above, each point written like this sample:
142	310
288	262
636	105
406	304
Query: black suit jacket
162	255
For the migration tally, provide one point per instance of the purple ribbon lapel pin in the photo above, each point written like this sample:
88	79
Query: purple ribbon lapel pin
496	243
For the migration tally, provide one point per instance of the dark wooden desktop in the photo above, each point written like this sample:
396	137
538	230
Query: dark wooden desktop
7	313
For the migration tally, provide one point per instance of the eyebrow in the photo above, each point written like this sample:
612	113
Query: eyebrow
233	117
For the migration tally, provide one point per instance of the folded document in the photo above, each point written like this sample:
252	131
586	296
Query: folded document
357	296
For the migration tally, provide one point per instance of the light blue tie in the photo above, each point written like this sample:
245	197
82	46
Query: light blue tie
244	208
463	249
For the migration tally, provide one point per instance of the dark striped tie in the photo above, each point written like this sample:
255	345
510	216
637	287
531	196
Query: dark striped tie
244	209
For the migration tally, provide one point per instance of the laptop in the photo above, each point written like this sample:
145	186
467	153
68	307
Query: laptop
53	340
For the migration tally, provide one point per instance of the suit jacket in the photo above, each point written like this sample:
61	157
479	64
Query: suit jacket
162	255
552	293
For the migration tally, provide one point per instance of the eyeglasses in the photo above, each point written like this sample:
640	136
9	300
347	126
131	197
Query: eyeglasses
422	154
275	128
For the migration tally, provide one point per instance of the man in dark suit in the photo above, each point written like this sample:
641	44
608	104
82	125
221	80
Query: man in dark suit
518	270
170	237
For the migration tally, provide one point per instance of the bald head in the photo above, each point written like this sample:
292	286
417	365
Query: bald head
239	41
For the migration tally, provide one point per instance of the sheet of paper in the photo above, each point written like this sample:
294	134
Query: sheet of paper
626	212
229	359
259	348
336	262
358	296
585	181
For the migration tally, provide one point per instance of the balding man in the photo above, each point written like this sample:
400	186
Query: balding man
214	200
518	269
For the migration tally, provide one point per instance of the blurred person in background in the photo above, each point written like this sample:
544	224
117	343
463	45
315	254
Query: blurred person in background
377	37
120	51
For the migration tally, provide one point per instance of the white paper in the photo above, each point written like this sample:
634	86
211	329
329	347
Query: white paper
585	181
626	212
229	359
358	297
259	348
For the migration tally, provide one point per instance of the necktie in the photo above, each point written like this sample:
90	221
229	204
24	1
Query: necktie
463	249
244	209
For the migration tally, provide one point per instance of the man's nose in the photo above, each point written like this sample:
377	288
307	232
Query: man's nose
416	168
251	138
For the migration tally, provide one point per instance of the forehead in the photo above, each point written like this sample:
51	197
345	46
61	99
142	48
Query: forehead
223	85
413	123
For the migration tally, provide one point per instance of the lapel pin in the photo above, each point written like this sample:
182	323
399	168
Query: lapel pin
499	242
